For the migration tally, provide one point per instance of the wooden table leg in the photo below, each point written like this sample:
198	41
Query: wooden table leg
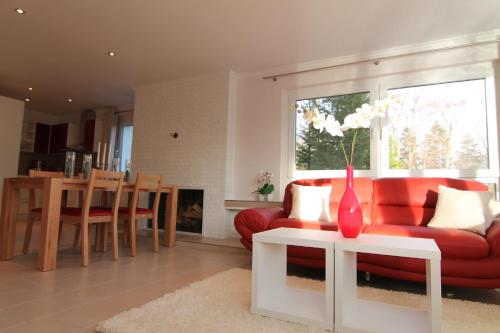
8	220
49	226
171	218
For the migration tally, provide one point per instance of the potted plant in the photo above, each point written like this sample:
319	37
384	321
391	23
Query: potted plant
265	188
350	216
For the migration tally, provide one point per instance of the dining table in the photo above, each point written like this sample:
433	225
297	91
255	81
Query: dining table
52	194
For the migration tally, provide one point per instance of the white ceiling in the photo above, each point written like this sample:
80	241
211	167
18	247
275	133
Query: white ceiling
59	47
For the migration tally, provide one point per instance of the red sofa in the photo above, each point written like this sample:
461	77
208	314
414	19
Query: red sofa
392	206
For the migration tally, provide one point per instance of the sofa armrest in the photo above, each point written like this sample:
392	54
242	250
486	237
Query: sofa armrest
250	221
493	238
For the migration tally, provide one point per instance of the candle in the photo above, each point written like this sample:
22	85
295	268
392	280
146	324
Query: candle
104	154
98	152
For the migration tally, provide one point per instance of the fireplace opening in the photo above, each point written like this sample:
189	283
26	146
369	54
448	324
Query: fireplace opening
189	210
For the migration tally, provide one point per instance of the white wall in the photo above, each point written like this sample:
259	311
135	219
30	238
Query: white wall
262	133
11	115
197	109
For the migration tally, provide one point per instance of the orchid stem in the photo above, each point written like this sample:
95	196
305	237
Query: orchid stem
343	149
353	143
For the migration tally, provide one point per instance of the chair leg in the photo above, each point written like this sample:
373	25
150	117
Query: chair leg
76	237
114	239
133	237
104	237
85	245
96	237
155	234
59	233
27	235
126	234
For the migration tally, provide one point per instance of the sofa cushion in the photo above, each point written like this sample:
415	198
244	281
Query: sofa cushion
457	244
311	202
411	201
363	187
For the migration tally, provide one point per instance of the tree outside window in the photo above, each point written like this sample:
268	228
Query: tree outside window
315	150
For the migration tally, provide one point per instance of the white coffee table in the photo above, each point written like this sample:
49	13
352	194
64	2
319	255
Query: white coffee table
270	294
357	315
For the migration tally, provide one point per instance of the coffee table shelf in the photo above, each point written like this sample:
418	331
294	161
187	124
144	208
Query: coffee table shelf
353	314
270	294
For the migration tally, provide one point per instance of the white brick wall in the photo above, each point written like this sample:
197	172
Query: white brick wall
197	109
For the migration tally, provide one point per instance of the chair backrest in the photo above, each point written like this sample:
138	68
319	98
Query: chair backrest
104	181
45	174
147	183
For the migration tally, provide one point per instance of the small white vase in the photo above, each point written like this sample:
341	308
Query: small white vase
266	197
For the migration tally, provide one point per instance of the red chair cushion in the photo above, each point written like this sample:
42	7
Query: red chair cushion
456	244
139	211
94	211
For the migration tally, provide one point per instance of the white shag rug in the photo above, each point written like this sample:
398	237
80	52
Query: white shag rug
221	303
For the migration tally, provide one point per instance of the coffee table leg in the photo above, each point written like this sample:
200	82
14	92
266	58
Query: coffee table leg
329	288
345	286
268	273
433	277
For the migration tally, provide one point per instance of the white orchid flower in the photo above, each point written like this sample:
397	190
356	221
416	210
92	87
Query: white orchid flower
308	115
365	112
332	126
350	122
355	120
381	107
319	121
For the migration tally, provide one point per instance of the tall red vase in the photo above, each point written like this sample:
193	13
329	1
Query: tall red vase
350	217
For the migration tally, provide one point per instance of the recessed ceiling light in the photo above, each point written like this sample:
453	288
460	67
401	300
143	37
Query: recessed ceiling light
20	11
70	100
27	99
111	53
30	89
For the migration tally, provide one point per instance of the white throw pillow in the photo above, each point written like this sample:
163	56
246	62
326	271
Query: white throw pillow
467	210
311	203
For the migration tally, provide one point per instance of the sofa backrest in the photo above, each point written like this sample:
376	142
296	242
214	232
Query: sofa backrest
363	187
411	201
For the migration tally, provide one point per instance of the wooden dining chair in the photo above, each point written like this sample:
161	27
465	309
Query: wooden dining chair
35	214
87	215
133	213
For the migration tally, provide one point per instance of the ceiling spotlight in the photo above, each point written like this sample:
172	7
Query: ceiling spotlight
30	89
27	99
20	11
111	53
70	100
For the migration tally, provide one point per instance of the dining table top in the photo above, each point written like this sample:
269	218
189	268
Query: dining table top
26	182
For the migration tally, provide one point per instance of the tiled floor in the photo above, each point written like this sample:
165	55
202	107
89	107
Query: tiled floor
74	298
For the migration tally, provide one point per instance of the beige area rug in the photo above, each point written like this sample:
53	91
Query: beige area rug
221	303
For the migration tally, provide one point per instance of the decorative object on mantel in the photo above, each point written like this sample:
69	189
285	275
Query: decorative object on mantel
86	166
265	188
231	291
350	215
128	170
69	164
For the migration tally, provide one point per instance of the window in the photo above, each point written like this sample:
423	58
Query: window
445	126
316	150
439	126
126	133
